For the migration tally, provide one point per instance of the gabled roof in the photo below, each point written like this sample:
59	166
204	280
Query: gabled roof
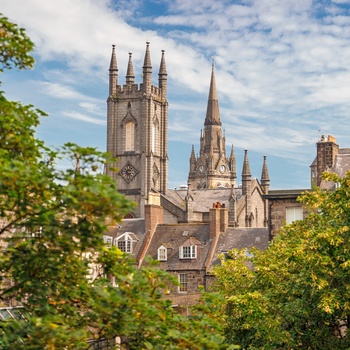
204	198
135	228
172	235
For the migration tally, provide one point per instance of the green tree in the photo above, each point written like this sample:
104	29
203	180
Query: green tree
52	222
297	294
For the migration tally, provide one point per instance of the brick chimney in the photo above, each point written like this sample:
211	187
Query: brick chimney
218	220
327	150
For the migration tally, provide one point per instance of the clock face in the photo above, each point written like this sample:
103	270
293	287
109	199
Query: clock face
128	172
222	168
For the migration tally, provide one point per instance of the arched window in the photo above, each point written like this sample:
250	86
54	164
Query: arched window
155	137
129	136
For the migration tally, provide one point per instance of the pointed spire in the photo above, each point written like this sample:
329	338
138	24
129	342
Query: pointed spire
162	67
246	175
213	113
113	73
162	76
147	60
265	179
265	172
147	70
232	155
130	76
233	165
193	156
113	65
193	160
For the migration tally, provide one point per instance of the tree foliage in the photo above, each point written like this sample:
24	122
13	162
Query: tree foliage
297	294
52	222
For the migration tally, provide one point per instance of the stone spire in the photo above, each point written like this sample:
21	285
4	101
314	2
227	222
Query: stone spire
213	113
147	71
246	189
232	162
162	76
233	159
246	175
130	76
193	160
265	179
113	73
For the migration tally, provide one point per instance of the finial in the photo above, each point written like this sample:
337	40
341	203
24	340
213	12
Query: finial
212	61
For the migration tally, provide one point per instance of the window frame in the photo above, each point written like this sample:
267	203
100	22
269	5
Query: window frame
188	252
129	136
298	214
163	257
125	243
183	282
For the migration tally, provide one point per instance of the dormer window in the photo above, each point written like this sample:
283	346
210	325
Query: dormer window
189	249
162	253
189	252
126	242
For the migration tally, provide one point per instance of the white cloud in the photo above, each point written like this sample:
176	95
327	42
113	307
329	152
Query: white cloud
282	67
84	118
60	91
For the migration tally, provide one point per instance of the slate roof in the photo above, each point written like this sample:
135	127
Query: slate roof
178	235
135	226
203	199
177	197
239	238
342	162
341	167
287	193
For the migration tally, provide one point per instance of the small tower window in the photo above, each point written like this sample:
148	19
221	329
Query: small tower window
129	136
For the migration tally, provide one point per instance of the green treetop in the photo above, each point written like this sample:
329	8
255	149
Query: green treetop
296	295
55	263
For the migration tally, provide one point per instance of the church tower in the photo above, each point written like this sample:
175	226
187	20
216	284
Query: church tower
212	169
137	131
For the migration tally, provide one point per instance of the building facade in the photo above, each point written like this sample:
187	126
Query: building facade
184	229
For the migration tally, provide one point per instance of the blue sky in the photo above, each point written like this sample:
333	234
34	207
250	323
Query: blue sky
282	73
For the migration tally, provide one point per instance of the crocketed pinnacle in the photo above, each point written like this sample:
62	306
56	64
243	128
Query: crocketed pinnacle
213	113
193	156
232	155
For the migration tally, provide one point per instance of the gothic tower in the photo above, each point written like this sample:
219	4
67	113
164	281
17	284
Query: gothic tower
212	169
137	131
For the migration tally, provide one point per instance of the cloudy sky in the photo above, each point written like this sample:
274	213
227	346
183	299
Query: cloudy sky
282	73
